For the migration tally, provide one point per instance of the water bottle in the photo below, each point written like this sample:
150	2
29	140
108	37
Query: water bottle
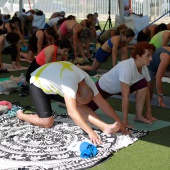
21	85
22	78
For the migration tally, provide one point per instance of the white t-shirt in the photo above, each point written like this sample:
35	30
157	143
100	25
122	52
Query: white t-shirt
53	21
125	72
61	78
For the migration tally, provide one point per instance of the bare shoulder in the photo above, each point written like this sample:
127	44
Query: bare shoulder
39	33
115	38
70	23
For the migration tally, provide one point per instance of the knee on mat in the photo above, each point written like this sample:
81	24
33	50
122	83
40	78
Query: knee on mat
47	122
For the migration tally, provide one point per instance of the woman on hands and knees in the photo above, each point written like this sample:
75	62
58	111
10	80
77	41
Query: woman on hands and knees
157	68
111	47
130	76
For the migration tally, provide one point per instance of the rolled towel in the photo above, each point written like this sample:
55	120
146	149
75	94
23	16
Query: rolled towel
87	150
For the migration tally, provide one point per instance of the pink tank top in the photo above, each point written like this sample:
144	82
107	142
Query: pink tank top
40	59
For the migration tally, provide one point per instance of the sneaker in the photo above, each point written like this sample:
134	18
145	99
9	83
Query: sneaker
24	90
92	73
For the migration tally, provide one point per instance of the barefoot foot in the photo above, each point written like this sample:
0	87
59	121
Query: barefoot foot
20	114
142	119
112	129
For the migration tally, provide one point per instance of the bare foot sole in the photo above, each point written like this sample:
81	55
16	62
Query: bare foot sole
112	129
19	114
16	79
142	119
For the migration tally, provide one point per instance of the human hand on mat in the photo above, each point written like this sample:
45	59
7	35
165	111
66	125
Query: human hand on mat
161	102
124	130
128	125
95	138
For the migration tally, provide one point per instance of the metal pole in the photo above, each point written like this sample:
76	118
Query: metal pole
121	11
20	7
155	21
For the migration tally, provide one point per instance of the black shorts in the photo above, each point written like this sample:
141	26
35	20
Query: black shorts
136	86
42	101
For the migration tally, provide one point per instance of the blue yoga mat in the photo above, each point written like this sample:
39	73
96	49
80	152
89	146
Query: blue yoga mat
154	100
138	125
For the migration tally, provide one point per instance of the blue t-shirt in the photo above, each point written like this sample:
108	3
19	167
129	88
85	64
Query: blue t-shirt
154	64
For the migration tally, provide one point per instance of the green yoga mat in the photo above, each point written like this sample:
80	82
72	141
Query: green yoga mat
3	79
138	125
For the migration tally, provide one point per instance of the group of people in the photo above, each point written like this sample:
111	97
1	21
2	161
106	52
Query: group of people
51	77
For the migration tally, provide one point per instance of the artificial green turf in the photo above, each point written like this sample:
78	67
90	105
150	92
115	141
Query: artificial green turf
152	152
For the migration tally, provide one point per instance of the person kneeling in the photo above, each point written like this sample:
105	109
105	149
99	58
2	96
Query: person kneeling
64	82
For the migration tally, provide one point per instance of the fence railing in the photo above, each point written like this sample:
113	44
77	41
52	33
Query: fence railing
80	8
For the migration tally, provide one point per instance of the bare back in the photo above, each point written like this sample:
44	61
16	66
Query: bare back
73	26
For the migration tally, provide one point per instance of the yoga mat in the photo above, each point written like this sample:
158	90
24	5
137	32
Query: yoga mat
3	79
10	68
137	125
25	146
154	100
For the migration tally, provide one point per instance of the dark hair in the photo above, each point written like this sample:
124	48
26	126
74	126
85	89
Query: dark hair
50	31
96	13
12	38
65	43
89	16
61	21
13	20
161	27
85	33
140	48
8	16
128	32
70	17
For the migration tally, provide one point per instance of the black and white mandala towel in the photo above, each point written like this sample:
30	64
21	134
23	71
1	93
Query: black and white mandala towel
24	146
